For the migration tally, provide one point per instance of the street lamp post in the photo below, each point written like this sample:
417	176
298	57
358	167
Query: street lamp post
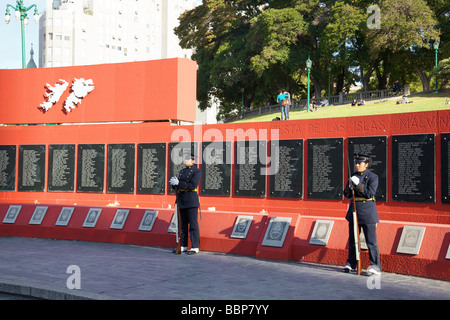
308	66
436	47
21	12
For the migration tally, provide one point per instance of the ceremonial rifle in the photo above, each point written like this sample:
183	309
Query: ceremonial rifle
355	222
178	250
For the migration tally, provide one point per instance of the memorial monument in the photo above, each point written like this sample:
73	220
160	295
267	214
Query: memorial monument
102	169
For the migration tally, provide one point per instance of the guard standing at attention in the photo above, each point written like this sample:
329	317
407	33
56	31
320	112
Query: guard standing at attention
365	184
188	202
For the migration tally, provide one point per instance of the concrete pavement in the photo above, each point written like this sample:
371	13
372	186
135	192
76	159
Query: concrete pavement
49	269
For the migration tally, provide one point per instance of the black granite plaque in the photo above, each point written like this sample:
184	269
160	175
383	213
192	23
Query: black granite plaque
250	158
121	168
61	167
151	168
8	168
286	161
413	168
445	167
216	168
177	152
32	167
376	148
325	168
91	168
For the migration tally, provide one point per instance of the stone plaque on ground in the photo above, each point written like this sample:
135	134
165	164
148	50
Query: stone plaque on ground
445	167
64	216
173	226
119	219
32	167
376	148
8	168
12	214
321	232
148	220
411	240
241	227
216	168
177	153
276	231
61	167
91	168
286	157
121	168
92	217
151	168
447	256
250	168
413	168
38	215
325	168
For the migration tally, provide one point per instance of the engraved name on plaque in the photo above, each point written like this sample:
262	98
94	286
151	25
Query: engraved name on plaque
376	148
177	152
8	168
151	168
61	167
91	168
325	168
216	168
250	165
32	167
445	167
121	160
287	179
413	168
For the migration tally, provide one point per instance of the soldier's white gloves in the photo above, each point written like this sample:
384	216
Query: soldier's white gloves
355	180
174	181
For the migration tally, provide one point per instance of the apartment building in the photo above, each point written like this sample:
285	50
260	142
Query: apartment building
82	32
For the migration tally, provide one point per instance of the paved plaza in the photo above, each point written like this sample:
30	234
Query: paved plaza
61	269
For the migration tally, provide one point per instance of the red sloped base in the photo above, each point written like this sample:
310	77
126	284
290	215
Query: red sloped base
216	229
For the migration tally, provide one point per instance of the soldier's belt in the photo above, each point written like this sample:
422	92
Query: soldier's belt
195	190
364	199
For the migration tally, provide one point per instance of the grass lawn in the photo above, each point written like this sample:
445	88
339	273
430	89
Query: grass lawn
424	102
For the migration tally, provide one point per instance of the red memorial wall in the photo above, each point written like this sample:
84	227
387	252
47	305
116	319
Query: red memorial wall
143	93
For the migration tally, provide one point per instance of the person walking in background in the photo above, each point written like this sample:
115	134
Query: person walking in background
282	99
289	103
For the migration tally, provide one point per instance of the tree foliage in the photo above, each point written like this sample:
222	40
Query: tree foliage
247	50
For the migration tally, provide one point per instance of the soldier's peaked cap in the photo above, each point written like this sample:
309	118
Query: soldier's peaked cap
360	157
189	156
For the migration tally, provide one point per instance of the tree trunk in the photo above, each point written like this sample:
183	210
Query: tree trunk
317	88
423	78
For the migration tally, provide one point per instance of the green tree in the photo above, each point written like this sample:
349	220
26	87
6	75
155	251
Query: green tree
406	26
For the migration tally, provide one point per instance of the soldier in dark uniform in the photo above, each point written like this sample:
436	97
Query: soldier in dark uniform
365	184
188	202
